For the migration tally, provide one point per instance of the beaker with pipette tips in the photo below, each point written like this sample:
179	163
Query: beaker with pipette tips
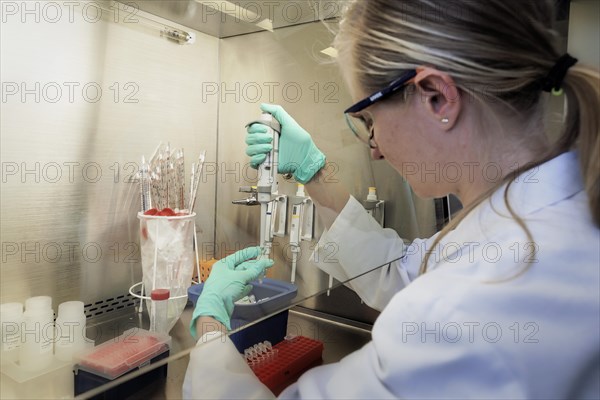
167	250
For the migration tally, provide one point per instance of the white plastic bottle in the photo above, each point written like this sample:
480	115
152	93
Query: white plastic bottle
11	318
69	330
375	207
37	334
372	196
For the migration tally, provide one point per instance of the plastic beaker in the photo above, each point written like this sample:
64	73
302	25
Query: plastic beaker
167	249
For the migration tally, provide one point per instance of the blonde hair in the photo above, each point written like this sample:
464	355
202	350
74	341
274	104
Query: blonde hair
497	51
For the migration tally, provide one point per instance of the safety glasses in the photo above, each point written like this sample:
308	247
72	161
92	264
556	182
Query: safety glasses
362	125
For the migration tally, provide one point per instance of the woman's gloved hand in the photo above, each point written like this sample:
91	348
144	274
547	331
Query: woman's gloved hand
227	283
297	152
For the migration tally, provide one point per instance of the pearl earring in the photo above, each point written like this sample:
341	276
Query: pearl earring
445	120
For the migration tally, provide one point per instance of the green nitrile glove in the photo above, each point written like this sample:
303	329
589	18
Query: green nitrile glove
227	283
298	154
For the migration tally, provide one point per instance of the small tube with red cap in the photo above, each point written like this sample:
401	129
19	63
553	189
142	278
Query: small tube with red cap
160	310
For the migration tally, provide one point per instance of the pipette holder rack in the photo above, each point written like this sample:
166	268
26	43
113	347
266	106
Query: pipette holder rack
377	210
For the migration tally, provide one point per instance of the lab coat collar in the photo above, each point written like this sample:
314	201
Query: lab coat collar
550	183
555	180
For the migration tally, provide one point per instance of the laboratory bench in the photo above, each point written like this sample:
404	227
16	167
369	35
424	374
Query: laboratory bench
339	336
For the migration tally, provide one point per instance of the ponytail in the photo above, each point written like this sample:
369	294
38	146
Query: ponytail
582	129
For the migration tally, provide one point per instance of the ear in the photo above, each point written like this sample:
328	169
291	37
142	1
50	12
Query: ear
440	95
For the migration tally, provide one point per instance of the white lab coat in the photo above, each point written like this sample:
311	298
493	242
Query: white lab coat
458	331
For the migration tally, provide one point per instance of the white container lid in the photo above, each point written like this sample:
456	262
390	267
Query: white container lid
71	310
38	303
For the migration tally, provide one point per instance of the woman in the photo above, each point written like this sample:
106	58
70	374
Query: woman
507	300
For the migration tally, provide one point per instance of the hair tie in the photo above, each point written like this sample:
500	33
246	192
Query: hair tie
553	81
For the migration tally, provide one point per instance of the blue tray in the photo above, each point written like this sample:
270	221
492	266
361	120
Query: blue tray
271	296
272	329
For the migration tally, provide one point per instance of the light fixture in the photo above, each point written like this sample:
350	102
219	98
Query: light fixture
330	51
134	17
239	13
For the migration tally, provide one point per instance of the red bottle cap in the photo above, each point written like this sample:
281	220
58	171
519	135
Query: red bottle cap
160	294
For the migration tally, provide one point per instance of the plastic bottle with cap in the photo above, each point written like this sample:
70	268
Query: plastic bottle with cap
11	318
36	351
159	315
374	206
372	196
69	330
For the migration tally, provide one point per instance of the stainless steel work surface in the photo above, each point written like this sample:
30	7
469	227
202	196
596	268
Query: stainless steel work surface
339	339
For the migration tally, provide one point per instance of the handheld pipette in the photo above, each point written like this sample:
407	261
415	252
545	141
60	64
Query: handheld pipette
301	226
267	188
250	201
295	238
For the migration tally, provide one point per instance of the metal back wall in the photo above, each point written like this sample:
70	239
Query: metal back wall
286	67
91	97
